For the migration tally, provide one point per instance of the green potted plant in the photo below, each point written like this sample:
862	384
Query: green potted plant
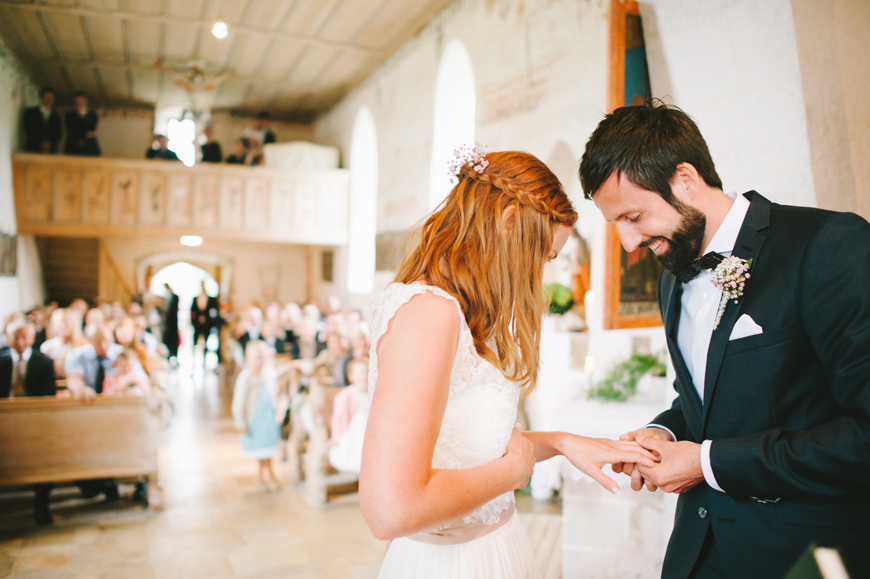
560	298
620	383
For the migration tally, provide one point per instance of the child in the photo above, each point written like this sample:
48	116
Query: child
350	413
258	410
125	380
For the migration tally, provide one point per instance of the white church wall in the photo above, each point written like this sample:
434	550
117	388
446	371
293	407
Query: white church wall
733	66
16	92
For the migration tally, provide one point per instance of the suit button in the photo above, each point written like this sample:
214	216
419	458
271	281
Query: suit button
702	512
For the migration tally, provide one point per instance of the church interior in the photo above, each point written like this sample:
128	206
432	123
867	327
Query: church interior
180	178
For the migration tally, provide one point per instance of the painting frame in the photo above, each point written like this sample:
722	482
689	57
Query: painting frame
614	253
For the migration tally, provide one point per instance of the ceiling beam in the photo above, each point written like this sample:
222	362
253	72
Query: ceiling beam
43	21
163	19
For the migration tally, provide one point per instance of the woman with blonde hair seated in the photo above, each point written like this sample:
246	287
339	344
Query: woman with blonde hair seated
65	333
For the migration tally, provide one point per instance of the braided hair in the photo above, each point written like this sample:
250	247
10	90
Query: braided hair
486	245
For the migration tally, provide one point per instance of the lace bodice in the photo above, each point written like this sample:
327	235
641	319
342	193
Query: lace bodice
481	406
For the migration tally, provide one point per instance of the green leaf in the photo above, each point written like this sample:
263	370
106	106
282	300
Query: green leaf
560	298
620	383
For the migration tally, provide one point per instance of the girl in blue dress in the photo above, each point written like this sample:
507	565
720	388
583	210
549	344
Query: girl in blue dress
258	409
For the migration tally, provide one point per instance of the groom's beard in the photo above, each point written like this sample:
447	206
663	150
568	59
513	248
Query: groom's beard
684	245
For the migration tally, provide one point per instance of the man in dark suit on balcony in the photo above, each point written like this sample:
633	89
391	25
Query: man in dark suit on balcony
81	129
42	125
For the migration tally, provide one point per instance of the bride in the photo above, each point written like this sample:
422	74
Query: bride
455	343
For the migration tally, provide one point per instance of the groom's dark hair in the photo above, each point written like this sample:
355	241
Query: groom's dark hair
645	143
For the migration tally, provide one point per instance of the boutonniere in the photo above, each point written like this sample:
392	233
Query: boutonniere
729	276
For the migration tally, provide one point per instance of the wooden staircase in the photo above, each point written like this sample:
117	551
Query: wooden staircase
70	268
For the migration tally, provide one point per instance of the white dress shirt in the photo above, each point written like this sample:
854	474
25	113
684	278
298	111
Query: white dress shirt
698	307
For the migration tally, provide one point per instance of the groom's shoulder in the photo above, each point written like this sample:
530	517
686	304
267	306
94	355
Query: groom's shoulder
818	238
810	223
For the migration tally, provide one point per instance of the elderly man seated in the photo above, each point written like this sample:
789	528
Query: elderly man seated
86	369
25	371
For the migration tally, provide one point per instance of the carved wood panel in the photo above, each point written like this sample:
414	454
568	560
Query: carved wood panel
179	198
152	204
37	194
257	204
125	198
231	203
67	195
205	201
97	197
281	211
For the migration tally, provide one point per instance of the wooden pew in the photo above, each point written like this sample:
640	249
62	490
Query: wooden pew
321	480
52	440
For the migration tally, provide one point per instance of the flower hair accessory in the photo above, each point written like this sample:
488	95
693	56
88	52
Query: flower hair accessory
729	276
467	155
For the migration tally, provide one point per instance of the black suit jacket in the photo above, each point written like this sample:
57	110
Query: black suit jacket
788	410
37	130
38	379
77	127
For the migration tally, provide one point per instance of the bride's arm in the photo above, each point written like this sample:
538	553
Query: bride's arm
400	492
589	454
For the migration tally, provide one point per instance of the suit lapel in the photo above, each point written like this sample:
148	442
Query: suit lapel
673	291
748	246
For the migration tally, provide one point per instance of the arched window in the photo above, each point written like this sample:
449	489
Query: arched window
363	204
455	105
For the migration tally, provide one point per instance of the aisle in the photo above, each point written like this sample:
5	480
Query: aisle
217	522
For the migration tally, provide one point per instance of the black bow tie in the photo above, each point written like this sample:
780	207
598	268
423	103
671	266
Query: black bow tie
691	271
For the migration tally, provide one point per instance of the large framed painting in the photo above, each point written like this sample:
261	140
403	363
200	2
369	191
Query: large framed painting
630	278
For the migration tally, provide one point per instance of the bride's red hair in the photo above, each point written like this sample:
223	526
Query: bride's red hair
492	262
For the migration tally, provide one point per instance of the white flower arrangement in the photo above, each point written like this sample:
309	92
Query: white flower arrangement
730	276
462	156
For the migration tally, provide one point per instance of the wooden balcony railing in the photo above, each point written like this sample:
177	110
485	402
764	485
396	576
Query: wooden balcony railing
59	195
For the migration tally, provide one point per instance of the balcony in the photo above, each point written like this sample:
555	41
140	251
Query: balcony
57	195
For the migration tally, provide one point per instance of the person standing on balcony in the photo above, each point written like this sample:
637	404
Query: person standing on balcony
42	128
211	149
161	151
81	129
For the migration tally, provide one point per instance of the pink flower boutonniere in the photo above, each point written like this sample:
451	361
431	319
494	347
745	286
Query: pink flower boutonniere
729	276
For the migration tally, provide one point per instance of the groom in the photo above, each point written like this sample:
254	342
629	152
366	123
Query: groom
768	442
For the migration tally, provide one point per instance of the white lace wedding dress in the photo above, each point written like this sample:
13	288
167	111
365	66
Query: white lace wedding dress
478	420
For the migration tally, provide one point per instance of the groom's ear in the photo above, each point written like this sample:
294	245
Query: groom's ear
685	184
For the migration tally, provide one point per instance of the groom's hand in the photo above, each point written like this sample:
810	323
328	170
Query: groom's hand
680	467
629	468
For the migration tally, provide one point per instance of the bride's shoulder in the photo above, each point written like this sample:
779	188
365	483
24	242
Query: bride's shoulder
417	305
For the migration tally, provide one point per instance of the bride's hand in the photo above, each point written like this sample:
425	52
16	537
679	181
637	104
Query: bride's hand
590	454
521	452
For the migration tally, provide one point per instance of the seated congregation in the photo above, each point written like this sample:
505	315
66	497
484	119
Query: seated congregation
297	377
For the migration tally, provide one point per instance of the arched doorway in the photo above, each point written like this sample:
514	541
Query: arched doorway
220	267
187	282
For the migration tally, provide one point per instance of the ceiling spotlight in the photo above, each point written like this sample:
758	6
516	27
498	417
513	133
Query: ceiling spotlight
191	240
220	30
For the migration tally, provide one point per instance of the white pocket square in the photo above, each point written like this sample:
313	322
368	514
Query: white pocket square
744	328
